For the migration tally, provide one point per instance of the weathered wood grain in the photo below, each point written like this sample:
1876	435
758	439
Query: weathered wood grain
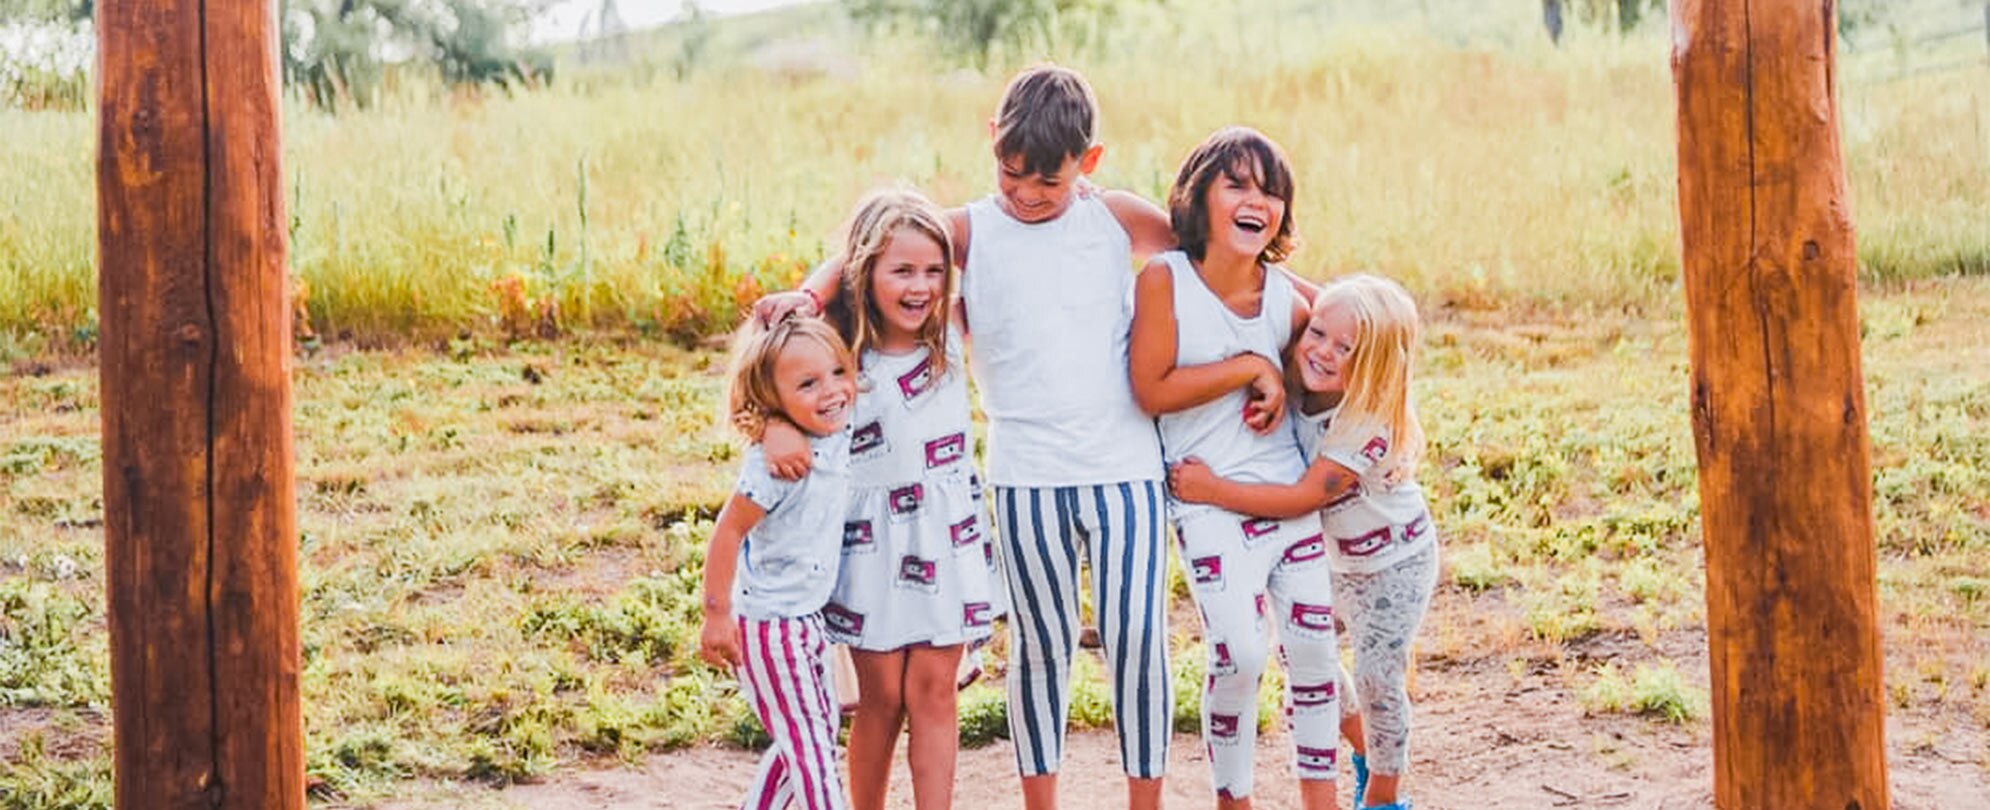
1778	408
200	520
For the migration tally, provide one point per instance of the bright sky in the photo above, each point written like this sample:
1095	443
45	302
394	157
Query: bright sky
563	21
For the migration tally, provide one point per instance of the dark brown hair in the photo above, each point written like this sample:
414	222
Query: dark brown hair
1045	117
1237	153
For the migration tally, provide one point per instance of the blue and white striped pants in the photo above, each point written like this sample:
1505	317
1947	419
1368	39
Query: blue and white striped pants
1045	530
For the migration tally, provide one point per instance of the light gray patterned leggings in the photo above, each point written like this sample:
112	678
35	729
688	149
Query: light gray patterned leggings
1382	611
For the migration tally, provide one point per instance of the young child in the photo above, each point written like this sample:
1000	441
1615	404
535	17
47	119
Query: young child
1045	282
1359	428
918	579
1210	324
775	553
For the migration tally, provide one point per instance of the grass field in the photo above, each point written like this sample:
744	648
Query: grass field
501	542
1461	154
501	534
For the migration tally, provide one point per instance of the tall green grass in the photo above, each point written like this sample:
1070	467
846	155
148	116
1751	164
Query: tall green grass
1470	159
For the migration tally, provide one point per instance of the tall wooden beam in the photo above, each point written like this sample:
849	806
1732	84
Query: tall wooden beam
1779	413
200	520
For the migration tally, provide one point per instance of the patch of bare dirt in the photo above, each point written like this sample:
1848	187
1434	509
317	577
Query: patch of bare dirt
1484	739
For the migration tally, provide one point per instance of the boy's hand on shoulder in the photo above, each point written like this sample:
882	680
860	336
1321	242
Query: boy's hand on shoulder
776	307
789	456
1192	481
718	642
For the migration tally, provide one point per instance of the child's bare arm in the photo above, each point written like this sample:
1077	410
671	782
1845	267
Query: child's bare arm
820	287
789	454
1146	224
1324	482
958	232
718	639
1304	286
1159	385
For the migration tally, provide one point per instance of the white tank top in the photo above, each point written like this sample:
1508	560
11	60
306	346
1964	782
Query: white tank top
1049	307
1206	331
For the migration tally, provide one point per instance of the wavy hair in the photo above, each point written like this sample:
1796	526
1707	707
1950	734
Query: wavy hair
1237	153
1381	367
879	217
750	393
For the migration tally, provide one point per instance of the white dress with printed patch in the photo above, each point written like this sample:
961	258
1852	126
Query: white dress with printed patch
918	555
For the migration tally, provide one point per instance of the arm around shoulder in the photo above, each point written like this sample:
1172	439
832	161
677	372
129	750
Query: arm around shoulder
959	230
1146	224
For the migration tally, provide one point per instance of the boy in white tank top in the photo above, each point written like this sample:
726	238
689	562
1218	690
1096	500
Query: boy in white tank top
1046	279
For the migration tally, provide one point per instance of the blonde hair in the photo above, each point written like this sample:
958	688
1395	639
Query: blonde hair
1380	368
855	313
750	393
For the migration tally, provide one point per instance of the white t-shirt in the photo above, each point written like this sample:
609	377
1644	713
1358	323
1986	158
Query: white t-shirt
1049	308
1375	524
788	564
1207	331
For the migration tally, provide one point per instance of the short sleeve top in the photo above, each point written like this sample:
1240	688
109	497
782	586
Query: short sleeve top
788	564
1376	523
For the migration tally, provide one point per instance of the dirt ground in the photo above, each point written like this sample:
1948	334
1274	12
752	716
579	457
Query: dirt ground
1486	737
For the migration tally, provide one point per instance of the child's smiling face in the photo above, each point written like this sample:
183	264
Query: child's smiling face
908	280
1033	198
815	387
1243	217
1326	348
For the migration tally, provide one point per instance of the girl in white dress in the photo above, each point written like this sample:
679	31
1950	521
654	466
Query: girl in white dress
918	582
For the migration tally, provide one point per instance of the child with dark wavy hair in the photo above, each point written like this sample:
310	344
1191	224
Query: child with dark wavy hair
1211	325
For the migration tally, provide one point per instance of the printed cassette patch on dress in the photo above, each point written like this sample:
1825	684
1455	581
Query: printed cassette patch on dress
946	450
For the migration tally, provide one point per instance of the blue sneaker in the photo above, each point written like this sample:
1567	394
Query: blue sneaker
1402	805
1360	778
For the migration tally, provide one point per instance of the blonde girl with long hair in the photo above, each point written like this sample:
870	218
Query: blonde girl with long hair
775	554
918	584
1358	426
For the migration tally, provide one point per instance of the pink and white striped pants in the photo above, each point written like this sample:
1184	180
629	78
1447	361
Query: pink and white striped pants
782	675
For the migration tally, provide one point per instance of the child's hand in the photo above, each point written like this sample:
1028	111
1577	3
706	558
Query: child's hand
1264	401
789	456
718	642
1192	481
774	308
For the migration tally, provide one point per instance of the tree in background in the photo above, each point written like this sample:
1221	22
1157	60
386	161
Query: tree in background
976	28
46	47
336	50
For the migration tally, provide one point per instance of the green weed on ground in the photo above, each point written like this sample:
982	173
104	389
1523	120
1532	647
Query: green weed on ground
500	542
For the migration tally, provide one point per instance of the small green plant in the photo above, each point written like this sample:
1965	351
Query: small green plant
1475	568
984	716
32	780
1657	691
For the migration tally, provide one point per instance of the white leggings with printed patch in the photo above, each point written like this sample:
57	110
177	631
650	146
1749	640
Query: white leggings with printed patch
1243	571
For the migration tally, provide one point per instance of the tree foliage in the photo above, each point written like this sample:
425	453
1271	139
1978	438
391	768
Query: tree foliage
336	50
975	28
47	10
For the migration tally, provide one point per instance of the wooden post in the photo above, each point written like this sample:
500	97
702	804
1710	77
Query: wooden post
1778	408
200	520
